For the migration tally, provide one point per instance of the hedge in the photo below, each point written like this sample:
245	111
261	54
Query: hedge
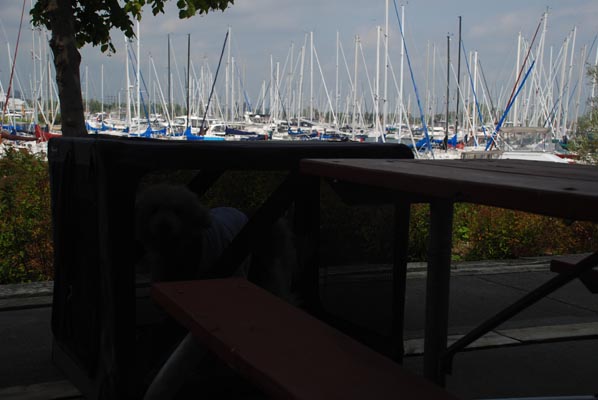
348	234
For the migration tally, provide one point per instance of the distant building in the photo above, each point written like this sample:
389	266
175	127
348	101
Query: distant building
16	107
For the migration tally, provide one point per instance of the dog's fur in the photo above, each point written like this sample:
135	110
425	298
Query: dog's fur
182	239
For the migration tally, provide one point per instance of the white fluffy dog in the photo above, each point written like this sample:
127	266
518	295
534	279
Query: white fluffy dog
182	239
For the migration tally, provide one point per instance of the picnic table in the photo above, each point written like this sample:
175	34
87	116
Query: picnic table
559	190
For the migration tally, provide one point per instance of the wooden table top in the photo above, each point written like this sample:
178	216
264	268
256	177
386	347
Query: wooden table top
560	190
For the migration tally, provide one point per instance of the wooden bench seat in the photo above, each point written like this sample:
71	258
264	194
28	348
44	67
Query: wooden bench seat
281	349
563	264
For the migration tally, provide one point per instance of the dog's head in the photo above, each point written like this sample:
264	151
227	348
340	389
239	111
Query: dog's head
169	223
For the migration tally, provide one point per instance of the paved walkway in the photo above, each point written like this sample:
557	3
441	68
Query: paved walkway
549	349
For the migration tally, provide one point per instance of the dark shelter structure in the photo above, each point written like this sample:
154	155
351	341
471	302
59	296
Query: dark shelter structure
96	317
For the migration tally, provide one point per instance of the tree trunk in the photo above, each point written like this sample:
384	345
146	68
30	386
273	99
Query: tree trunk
67	60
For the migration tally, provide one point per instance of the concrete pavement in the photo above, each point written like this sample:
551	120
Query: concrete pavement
549	349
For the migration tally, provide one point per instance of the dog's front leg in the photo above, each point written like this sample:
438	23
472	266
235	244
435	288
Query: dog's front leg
176	369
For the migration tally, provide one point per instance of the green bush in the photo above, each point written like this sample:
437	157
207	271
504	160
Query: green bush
482	232
25	226
364	234
348	234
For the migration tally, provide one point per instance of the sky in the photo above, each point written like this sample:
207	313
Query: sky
265	30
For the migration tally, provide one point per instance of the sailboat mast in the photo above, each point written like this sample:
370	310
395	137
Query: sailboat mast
311	76
448	80
434	101
272	113
562	84
188	78
128	100
540	57
582	57
427	105
138	75
402	69
86	89
385	99
566	99
337	93
355	85
42	66
290	94
474	129
263	97
550	96
470	96
517	66
300	99
231	77
377	95
227	74
458	79
277	91
593	92
232	89
102	88
34	83
51	112
169	81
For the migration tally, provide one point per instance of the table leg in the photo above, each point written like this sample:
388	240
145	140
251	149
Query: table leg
307	231
437	289
399	276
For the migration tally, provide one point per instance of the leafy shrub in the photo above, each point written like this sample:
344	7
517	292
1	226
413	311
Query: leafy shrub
479	233
25	226
585	145
348	234
482	232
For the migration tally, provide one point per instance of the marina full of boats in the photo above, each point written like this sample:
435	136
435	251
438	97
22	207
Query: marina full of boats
511	143
531	114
